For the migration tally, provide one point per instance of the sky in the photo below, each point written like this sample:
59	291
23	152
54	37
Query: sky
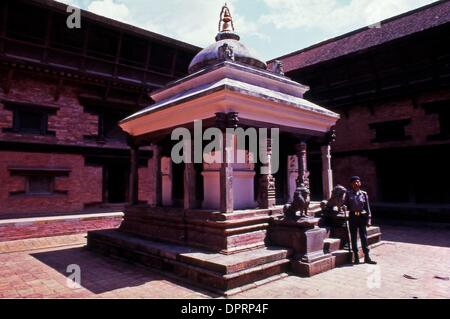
271	28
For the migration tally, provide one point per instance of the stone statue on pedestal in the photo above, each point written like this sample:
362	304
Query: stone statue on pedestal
336	202
299	204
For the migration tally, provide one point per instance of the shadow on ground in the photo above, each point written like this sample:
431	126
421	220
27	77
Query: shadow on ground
415	233
100	274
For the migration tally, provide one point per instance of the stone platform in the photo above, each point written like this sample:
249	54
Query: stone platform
224	274
225	233
225	252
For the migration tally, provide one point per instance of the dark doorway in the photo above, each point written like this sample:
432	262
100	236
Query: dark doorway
178	184
280	176
315	177
417	177
115	182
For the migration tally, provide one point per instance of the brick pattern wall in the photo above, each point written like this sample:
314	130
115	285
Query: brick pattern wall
70	124
354	134
83	185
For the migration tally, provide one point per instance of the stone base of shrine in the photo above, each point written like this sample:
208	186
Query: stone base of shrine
309	269
215	231
225	253
219	273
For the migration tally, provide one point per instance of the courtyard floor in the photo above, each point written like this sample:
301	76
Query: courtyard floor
413	263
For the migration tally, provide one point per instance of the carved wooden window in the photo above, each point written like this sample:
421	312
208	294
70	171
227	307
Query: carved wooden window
64	38
133	51
161	58
39	181
26	22
29	119
390	131
103	43
40	185
441	108
108	124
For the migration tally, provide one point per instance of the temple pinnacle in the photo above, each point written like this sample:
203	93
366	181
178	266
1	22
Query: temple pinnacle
226	20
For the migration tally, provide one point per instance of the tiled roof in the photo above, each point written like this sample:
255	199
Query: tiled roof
421	19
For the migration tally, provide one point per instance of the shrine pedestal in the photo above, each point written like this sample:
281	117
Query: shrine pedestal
223	252
306	240
243	190
225	233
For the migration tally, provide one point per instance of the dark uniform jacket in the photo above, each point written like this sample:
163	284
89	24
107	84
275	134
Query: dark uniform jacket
358	202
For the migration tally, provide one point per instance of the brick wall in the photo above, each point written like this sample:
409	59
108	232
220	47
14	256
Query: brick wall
354	134
70	124
83	185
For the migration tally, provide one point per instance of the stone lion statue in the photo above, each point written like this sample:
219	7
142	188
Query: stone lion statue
336	202
300	204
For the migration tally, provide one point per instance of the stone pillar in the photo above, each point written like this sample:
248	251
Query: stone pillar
303	174
157	179
266	195
292	175
327	173
166	181
134	172
189	181
223	121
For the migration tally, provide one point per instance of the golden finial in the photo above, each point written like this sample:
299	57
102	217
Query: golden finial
226	20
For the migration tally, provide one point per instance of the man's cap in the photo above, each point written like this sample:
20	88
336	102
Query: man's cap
355	178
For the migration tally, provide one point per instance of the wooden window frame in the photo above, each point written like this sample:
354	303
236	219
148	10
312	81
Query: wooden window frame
43	110
379	125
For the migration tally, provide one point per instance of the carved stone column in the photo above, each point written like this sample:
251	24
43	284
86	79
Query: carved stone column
301	199
303	174
266	195
223	121
166	181
189	181
133	193
327	173
156	186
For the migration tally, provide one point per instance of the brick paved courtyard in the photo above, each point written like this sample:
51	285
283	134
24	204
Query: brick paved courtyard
413	263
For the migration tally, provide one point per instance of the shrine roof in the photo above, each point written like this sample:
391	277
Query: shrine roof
421	19
233	86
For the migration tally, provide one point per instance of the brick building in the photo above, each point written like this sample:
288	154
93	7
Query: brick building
390	82
63	90
62	93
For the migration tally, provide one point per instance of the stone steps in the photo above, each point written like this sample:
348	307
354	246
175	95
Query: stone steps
212	271
331	245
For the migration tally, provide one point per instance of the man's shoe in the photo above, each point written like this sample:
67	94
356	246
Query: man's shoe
356	262
369	261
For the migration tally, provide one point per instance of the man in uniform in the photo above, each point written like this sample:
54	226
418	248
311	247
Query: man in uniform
357	202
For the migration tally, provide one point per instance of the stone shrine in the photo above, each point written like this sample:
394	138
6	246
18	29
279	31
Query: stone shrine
222	225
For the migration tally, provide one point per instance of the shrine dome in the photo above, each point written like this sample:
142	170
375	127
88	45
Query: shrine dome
226	38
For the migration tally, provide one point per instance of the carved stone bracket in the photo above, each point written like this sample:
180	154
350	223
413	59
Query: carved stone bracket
331	136
277	67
